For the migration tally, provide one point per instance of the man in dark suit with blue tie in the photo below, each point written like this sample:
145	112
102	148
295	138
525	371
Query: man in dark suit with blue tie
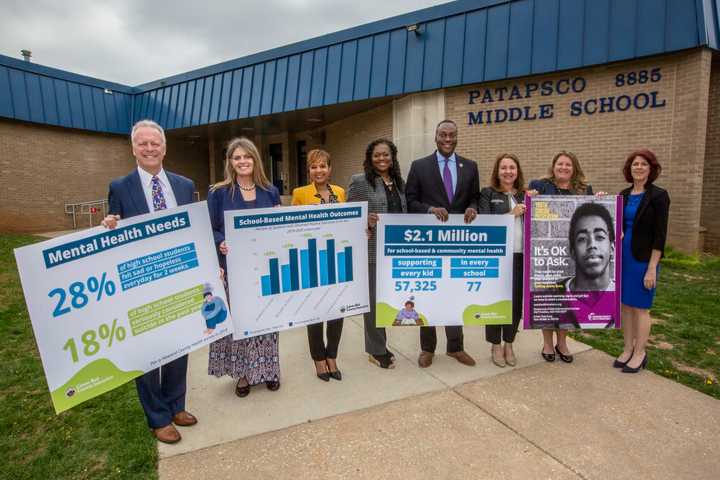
146	189
440	184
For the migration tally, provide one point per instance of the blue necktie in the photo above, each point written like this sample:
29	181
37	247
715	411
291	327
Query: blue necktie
158	198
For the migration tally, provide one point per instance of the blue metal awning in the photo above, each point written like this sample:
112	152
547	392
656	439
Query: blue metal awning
458	43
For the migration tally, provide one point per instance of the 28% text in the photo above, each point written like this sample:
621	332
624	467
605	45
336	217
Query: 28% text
78	298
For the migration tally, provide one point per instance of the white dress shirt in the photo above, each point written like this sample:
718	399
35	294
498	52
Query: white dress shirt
519	229
146	182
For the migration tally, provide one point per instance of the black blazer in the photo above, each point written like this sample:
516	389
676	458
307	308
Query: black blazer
127	198
494	202
425	187
649	229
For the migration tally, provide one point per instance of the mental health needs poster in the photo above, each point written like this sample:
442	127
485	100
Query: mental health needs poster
109	305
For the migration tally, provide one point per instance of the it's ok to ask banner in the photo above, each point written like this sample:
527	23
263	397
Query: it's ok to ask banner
109	305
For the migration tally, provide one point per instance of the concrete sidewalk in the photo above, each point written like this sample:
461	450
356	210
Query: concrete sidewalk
538	420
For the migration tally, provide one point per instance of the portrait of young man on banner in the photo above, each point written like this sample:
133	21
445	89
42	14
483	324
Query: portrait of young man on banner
573	277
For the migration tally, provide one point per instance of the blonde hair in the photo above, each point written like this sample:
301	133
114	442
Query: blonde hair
578	184
317	155
230	180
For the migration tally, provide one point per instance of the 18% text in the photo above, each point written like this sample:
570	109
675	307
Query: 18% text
91	346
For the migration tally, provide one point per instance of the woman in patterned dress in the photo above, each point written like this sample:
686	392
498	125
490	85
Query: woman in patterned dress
254	360
320	191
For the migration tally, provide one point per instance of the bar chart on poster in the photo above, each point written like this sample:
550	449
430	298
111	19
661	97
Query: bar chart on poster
308	267
294	266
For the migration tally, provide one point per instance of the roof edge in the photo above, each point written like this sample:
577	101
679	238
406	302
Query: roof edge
40	69
373	28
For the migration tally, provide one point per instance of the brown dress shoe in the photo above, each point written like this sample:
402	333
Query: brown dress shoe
425	359
167	434
184	419
463	358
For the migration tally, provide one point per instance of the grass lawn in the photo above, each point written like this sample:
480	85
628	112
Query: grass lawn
106	437
685	336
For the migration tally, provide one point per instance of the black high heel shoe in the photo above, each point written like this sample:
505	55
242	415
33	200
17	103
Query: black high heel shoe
334	374
324	376
563	357
618	364
549	357
642	365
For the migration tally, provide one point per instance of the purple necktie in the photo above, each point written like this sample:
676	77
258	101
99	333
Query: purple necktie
447	180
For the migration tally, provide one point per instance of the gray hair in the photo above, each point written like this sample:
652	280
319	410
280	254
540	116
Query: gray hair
147	124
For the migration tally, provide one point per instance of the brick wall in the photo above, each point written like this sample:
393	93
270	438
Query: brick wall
711	174
347	139
675	131
43	167
77	166
189	158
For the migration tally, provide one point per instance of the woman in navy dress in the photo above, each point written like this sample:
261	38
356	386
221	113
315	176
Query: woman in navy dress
254	360
565	178
645	219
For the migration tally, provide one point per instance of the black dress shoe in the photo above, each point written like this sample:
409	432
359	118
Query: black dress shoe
273	385
642	365
335	375
549	357
563	357
325	376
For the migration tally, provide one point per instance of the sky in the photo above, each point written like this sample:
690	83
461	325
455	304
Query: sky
134	41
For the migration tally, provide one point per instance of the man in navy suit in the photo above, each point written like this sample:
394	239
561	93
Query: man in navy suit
146	189
440	184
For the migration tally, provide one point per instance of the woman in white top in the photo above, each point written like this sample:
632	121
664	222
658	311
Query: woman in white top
505	196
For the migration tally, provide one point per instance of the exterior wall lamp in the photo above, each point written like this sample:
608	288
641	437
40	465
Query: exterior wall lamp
414	28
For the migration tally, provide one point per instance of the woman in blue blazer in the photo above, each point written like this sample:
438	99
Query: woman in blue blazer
254	360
